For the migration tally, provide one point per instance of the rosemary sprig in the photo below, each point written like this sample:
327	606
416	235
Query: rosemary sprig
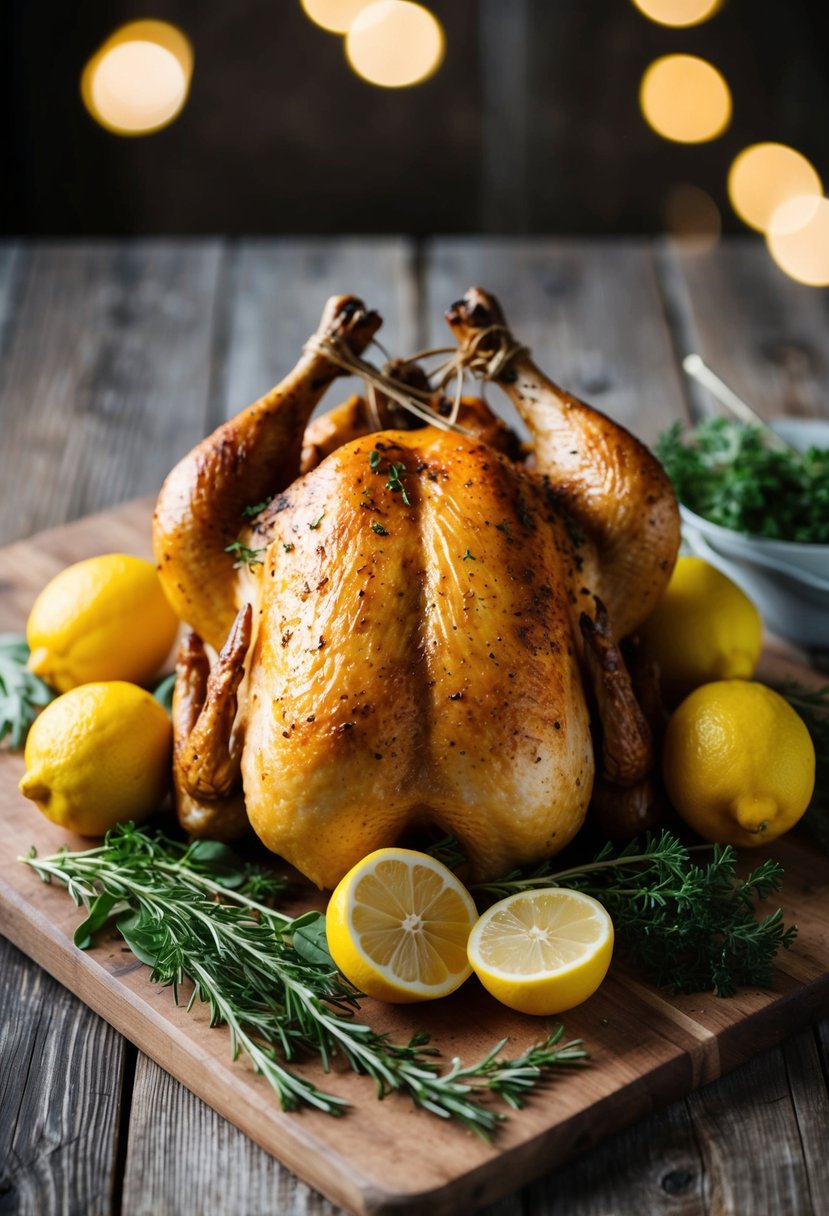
244	555
22	693
195	912
689	927
812	704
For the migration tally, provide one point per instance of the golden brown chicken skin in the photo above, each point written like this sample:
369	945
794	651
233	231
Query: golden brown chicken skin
430	619
415	661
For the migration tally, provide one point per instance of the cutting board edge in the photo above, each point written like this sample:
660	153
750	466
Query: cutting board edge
347	1186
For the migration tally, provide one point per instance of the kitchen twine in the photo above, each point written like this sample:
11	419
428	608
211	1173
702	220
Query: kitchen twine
486	365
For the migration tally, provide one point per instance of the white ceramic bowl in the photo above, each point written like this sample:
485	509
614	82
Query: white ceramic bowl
789	582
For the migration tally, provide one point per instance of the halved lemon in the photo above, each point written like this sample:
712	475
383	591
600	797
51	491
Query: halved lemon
398	924
542	951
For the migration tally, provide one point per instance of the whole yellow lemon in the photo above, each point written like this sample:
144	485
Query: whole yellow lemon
704	628
738	763
97	756
105	618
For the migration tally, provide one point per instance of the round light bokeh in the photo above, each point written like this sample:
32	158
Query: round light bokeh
678	13
798	239
138	81
395	43
685	99
763	177
334	15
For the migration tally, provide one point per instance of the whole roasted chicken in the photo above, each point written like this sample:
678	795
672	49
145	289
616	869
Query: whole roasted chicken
415	626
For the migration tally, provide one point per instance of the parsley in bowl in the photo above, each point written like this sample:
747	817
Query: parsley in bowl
761	515
727	473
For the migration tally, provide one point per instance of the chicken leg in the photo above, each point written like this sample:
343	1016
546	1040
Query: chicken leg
253	456
615	492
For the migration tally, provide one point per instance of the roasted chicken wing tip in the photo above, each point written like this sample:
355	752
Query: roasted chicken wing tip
477	309
346	316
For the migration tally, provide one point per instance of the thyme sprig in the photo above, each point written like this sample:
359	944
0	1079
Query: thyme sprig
689	927
196	912
22	693
244	555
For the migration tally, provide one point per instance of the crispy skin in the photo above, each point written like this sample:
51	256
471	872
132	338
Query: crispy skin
615	490
426	675
414	662
200	508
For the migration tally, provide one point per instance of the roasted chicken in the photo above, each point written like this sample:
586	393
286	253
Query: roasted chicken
419	626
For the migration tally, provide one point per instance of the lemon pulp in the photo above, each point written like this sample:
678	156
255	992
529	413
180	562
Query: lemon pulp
398	925
542	951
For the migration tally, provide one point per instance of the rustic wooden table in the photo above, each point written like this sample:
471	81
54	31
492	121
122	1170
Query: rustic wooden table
116	358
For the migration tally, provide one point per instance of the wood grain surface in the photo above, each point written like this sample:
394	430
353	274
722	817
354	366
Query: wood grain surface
616	319
646	1047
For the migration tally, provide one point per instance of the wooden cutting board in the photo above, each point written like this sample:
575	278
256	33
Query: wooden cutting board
646	1048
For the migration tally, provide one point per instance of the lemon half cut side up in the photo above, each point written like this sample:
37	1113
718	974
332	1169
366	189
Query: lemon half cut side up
398	924
542	951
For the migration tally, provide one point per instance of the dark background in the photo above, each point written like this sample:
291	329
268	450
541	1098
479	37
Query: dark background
531	125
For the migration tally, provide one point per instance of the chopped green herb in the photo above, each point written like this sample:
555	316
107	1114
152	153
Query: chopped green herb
244	555
317	522
288	546
394	483
257	508
469	557
379	529
374	459
725	472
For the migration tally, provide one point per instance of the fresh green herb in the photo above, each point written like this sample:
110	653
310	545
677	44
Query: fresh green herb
288	546
374	459
812	704
395	484
257	508
22	693
195	912
163	692
244	555
448	851
689	927
469	557
316	523
725	472
379	529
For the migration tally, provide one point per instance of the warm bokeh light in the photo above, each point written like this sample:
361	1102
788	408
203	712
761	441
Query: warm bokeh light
798	239
334	15
138	81
394	43
763	177
692	218
685	99
678	12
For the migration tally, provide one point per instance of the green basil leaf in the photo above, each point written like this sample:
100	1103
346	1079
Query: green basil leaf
309	940
99	913
140	936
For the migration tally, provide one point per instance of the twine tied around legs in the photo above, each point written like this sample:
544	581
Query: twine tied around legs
472	358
